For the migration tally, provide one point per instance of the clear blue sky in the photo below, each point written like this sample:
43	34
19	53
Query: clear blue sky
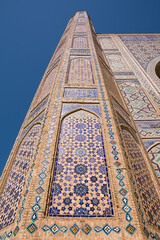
29	33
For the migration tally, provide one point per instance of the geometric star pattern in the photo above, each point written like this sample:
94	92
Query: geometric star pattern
81	183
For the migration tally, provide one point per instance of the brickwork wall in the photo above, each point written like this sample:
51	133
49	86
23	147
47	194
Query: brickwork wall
132	59
95	195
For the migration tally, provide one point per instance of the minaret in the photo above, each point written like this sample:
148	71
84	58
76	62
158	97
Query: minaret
78	168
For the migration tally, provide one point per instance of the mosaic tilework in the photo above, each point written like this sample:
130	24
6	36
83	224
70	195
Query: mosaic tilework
80	92
119	76
81	184
122	121
80	72
38	108
136	99
46	88
147	116
67	107
140	73
147	191
79	52
131	74
110	83
6	235
123	192
107	43
117	62
38	119
81	20
130	228
65	34
59	50
53	62
123	80
154	154
148	128
143	48
84	34
150	142
151	70
86	229
72	56
154	236
80	28
45	161
12	191
98	48
124	113
139	38
80	42
32	227
155	98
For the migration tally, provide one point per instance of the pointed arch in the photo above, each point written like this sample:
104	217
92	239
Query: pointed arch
146	189
80	109
130	130
153	145
12	191
151	70
154	154
80	42
47	84
80	72
81	173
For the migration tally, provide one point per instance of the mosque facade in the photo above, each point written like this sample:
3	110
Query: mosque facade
86	161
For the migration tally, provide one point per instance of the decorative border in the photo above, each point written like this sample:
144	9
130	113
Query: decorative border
75	229
137	69
123	192
36	207
130	227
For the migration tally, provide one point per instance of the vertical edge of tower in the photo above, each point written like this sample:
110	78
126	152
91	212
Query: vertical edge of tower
34	218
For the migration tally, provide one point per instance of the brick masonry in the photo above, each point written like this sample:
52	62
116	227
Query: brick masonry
81	180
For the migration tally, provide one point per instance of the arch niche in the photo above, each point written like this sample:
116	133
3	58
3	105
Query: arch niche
81	184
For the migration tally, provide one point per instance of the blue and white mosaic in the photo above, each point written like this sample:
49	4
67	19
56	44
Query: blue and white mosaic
39	107
81	185
12	191
85	229
67	107
38	119
150	142
80	92
130	228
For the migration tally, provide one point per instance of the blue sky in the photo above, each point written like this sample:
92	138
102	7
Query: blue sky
30	31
